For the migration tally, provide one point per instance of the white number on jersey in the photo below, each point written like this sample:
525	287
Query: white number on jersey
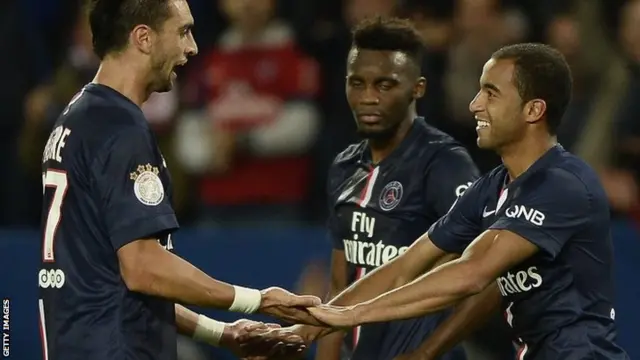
57	180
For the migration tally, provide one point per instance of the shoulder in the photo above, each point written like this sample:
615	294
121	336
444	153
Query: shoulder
350	155
568	173
563	183
345	160
435	142
491	181
443	155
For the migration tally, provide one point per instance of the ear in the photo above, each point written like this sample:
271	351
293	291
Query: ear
535	110
420	88
142	38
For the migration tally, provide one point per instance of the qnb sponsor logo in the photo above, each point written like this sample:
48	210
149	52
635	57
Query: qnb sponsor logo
519	282
53	278
370	253
531	215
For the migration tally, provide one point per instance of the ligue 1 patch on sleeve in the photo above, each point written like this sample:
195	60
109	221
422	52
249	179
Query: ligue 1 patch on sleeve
147	185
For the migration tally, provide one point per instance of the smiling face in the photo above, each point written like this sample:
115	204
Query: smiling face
498	107
380	88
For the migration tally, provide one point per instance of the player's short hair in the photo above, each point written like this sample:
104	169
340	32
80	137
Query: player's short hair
111	21
541	72
389	34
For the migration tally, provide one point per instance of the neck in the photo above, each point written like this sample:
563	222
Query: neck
519	157
124	77
380	149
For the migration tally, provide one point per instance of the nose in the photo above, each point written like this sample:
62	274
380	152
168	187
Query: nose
192	48
475	104
369	96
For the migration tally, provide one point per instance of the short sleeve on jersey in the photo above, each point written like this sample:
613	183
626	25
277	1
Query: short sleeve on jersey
450	173
461	225
130	188
549	214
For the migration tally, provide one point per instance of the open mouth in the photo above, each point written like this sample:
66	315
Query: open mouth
179	65
481	124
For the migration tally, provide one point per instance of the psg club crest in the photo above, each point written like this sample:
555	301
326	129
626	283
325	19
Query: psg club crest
147	186
390	196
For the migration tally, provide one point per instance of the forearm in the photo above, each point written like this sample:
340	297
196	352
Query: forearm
330	346
186	320
385	278
163	274
434	291
421	257
200	327
466	318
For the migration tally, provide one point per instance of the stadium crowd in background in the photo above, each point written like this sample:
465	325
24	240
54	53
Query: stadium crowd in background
294	79
258	116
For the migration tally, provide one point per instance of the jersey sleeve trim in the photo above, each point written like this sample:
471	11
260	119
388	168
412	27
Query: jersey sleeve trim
441	243
143	228
531	234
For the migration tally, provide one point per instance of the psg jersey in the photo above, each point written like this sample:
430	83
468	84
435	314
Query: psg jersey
377	212
105	184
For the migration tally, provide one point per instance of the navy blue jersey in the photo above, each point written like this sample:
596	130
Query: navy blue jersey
105	184
559	302
378	211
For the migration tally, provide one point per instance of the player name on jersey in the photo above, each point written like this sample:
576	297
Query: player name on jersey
55	144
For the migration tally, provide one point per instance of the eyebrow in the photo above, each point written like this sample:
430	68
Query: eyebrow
186	27
490	86
376	79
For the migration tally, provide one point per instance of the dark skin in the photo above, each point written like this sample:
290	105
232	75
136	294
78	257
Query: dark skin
516	130
381	89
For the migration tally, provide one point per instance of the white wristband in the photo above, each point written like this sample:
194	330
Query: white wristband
209	330
246	300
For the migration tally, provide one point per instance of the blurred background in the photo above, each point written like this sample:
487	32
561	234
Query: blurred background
256	118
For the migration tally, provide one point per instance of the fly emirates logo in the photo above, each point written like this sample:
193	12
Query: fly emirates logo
519	282
363	249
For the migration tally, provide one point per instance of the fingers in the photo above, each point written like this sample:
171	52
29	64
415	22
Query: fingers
293	315
255	326
304	300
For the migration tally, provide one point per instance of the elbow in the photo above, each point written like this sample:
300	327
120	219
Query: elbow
134	268
133	276
474	280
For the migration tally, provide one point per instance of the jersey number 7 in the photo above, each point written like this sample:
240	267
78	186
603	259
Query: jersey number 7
56	179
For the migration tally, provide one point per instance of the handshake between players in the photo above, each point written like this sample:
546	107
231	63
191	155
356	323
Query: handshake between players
253	340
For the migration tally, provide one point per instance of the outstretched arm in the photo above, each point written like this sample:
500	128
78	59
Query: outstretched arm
245	338
420	257
491	254
180	281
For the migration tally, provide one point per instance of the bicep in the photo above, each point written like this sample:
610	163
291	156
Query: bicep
134	256
495	252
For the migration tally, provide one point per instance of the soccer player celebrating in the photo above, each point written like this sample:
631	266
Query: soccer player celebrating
390	188
109	281
538	226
